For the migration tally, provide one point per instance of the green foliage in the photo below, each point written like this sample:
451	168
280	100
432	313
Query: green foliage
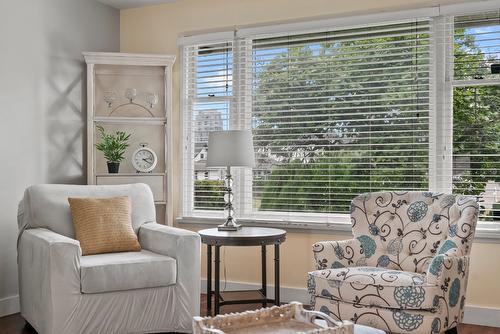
476	129
112	145
209	194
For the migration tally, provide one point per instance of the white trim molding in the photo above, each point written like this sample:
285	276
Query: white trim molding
483	316
475	315
469	7
120	58
341	22
9	305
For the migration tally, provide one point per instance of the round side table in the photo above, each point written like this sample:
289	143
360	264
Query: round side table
246	236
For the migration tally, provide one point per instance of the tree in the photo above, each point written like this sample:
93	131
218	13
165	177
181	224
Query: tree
209	194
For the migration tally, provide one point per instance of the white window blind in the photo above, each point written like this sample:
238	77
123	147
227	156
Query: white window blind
336	112
208	101
339	113
476	114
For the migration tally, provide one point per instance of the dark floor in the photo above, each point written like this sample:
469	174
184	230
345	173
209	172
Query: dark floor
15	324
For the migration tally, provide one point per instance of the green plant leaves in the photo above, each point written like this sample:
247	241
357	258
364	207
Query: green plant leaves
113	146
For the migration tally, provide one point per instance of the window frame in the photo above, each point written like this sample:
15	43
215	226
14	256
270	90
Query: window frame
442	84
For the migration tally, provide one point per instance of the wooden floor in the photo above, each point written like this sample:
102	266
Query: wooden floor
15	324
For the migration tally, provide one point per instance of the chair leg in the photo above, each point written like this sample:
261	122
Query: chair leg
453	330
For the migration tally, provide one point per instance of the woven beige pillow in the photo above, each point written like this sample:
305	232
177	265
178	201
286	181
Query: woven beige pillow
103	225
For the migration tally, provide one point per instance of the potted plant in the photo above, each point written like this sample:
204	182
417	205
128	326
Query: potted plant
113	146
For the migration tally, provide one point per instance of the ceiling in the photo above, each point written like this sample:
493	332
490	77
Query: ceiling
123	4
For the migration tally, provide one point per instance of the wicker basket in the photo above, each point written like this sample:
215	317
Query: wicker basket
286	319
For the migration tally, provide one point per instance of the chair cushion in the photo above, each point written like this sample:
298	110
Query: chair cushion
372	286
126	271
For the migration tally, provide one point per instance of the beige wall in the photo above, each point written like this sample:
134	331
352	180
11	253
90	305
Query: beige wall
156	29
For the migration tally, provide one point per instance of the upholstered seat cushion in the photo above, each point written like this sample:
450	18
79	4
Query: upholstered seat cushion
374	286
126	271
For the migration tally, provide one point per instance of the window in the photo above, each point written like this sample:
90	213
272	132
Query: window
476	116
209	91
339	113
342	111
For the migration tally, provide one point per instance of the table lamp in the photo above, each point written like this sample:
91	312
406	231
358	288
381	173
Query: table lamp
228	149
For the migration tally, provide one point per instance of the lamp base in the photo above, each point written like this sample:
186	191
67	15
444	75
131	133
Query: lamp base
229	225
225	227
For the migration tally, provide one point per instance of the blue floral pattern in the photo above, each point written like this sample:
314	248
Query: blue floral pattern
368	245
417	211
409	296
454	294
395	246
436	265
447	201
339	252
436	326
407	321
452	232
374	230
383	261
448	245
337	264
406	268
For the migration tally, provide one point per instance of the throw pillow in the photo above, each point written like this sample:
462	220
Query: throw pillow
103	225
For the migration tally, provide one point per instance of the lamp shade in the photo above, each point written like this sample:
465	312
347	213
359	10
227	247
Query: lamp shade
232	148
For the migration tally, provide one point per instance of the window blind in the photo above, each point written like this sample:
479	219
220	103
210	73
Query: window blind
476	116
208	101
343	111
338	113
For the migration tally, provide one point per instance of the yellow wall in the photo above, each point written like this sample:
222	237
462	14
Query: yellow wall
155	29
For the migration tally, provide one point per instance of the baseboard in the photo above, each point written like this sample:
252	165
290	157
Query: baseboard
483	316
473	314
288	294
9	305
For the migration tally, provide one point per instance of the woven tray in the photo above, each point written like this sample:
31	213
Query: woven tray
286	319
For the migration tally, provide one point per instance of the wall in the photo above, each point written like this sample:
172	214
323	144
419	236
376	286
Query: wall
156	29
42	104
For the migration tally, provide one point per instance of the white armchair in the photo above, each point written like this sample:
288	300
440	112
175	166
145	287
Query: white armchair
61	291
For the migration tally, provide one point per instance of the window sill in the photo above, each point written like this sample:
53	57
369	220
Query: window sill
485	233
339	227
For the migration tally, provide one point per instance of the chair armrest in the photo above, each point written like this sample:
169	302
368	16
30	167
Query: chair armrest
49	268
185	247
338	254
170	241
58	256
445	268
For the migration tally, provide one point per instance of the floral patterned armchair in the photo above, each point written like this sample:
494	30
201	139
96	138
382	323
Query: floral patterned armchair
405	270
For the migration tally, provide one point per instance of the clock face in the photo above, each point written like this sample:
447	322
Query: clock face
144	160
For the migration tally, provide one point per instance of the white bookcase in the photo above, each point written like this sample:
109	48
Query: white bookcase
112	79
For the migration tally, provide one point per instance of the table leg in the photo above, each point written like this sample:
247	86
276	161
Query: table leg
277	274
217	280
209	280
264	278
